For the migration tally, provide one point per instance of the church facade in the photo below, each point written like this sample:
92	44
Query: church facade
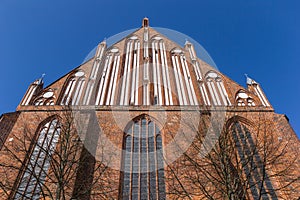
146	118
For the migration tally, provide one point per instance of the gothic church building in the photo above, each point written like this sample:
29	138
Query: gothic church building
147	118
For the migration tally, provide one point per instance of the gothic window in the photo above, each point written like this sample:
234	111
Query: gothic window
243	99
252	161
73	89
217	89
143	176
78	91
39	161
68	91
47	97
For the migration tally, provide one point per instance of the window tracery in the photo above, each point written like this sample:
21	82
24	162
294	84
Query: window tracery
39	161
143	166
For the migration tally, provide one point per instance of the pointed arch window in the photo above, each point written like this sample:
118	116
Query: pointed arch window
74	89
38	163
252	161
217	89
143	166
243	99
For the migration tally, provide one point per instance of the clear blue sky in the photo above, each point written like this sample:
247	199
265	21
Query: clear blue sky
257	37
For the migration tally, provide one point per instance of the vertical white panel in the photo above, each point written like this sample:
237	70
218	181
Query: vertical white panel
191	83
136	100
124	78
214	91
158	75
97	63
29	94
186	78
205	96
181	81
163	65
212	94
261	95
95	69
225	93
68	92
113	93
177	81
167	75
112	77
221	93
154	70
133	75
128	81
146	100
78	93
102	78
89	90
198	71
106	77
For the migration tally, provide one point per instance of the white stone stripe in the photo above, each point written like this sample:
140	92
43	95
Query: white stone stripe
97	63
145	84
124	77
133	75
113	93
204	99
102	78
215	93
24	102
222	94
136	101
205	96
76	92
205	93
112	77
164	73
106	77
225	93
261	96
181	81
167	75
29	95
187	78
82	83
158	75
198	71
127	84
89	92
154	71
146	51
177	81
191	83
69	95
212	94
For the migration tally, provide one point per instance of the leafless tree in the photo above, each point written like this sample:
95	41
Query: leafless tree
237	160
53	162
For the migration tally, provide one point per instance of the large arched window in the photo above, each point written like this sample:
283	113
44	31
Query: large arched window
38	164
253	162
143	167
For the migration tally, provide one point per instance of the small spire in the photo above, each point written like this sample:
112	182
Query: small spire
187	42
145	22
249	80
40	80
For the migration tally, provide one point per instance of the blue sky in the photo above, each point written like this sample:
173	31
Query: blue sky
260	38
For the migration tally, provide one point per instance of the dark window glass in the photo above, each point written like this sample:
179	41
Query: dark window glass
39	162
144	178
